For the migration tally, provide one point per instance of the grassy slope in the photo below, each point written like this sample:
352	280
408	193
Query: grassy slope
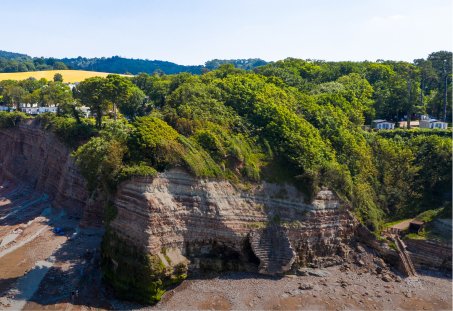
68	75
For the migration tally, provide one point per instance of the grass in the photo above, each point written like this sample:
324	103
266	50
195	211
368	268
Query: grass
430	231
429	215
416	236
69	76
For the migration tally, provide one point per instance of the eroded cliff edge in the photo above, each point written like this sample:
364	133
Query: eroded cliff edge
165	226
38	158
175	222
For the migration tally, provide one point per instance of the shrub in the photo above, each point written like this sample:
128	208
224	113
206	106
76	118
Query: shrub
136	170
11	119
67	129
100	162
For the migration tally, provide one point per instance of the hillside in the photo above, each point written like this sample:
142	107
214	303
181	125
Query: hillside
68	75
15	62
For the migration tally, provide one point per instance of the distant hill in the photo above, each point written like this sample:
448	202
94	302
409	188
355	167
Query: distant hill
70	76
16	62
118	64
11	55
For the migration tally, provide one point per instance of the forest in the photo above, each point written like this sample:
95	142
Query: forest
15	62
296	121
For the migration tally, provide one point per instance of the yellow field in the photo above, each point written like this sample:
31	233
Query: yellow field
69	76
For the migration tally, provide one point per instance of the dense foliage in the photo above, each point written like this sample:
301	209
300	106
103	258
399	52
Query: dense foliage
40	92
15	62
290	121
246	64
11	119
247	127
70	131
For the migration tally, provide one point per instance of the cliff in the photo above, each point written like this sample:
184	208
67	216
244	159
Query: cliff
165	226
38	158
197	224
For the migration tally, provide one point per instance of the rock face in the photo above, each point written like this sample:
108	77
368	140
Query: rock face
36	157
430	254
175	222
214	225
272	247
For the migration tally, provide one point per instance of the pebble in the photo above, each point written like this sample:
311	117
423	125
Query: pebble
305	286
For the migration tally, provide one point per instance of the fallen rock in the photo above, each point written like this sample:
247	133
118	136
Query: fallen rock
302	272
360	263
345	267
387	278
360	248
305	286
379	262
313	272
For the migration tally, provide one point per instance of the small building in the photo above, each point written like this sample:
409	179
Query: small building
52	109
5	108
415	226
33	109
30	110
430	123
72	85
382	125
85	111
415	123
28	105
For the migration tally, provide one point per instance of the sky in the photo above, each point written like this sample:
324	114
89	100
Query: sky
192	32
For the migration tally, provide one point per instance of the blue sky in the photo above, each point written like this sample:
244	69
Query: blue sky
194	31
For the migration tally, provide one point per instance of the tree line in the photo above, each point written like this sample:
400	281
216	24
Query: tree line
400	90
291	121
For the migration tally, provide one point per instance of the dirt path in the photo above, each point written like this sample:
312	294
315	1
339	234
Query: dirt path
403	225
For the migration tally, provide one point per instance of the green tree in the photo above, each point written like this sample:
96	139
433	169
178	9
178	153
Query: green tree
95	94
56	94
59	66
58	77
134	104
100	162
13	95
121	92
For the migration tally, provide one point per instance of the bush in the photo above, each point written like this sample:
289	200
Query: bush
67	129
136	170
100	162
412	133
11	119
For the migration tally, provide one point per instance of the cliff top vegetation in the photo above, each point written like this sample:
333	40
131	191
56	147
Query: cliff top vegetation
291	121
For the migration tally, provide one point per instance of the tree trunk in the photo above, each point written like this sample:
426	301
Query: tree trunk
75	113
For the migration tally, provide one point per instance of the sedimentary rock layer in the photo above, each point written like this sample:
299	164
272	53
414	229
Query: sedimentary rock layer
430	253
39	159
178	217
